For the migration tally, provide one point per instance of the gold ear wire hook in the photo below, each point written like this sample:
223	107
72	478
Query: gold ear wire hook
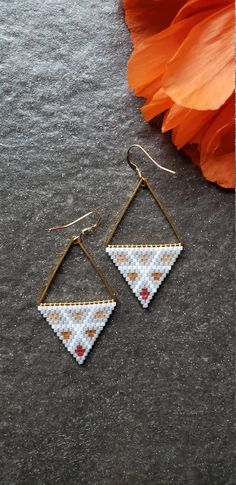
135	167
87	229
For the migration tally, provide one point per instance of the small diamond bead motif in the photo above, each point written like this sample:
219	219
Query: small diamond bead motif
144	294
144	267
78	325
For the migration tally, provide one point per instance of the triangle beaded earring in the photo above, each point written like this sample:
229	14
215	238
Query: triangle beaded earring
144	267
78	324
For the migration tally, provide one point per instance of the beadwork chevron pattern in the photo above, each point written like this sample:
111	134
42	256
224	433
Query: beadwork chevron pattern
78	325
144	268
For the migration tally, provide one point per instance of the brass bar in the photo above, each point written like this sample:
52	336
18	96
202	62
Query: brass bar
77	303
144	245
165	212
97	269
123	211
52	275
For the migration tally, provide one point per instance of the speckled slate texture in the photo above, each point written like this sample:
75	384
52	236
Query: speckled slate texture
153	405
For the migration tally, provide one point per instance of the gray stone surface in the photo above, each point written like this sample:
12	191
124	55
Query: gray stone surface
153	404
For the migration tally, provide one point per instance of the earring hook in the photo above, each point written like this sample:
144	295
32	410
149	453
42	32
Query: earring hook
87	229
136	168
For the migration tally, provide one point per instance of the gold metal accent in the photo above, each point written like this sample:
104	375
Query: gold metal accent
77	240
135	167
77	303
87	229
144	245
142	182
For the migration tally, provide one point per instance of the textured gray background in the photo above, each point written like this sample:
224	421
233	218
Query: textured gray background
153	404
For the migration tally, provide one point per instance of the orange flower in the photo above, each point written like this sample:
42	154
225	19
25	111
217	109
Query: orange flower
183	64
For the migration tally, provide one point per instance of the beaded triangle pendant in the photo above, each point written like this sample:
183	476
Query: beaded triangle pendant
144	267
77	324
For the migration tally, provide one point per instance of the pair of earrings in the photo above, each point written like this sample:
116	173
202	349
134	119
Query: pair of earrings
144	267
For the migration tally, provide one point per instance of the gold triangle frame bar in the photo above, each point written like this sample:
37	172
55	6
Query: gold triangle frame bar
76	240
142	182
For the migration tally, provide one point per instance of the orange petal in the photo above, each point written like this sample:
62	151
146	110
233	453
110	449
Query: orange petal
191	123
174	117
197	137
223	122
159	103
149	59
220	169
147	18
201	74
192	7
192	152
149	90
